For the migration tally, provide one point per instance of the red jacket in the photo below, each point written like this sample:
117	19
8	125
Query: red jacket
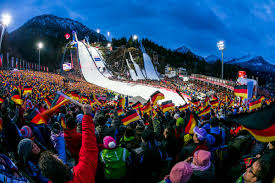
73	142
85	170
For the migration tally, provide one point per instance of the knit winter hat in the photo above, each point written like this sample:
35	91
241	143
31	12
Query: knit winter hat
109	142
201	158
200	132
24	149
181	172
26	132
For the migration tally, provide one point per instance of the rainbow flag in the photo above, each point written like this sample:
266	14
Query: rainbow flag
182	108
156	96
167	106
241	91
191	124
206	111
130	117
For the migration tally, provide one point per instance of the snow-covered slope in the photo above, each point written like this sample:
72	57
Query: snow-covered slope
132	72
244	58
92	75
149	68
137	68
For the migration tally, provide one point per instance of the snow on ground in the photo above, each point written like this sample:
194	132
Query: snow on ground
137	68
149	68
92	75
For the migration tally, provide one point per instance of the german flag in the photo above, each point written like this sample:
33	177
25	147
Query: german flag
214	98
262	98
146	107
182	108
130	117
168	105
227	99
58	99
27	89
137	105
268	101
206	111
260	124
92	103
48	102
1	100
122	102
191	124
120	111
214	103
241	91
16	97
195	103
74	95
156	96
254	104
35	117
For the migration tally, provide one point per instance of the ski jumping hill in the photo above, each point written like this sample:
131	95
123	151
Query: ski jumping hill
92	75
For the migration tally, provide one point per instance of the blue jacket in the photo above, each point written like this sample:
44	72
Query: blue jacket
59	145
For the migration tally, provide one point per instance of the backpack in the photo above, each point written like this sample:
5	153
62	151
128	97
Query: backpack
114	162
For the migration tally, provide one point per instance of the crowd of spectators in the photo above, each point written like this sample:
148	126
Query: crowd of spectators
90	143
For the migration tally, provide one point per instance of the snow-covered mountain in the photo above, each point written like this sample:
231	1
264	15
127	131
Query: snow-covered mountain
211	58
183	50
257	63
241	59
56	26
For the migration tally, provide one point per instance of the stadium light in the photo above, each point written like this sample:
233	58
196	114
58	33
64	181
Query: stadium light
135	37
109	45
221	47
6	19
40	46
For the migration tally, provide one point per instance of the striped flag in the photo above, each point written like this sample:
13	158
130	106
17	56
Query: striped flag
58	99
206	111
120	111
167	105
63	124
16	97
27	89
147	107
241	91
182	108
74	95
255	104
130	117
48	102
191	124
214	103
156	96
137	105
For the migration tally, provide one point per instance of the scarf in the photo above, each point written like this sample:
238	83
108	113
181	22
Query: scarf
201	168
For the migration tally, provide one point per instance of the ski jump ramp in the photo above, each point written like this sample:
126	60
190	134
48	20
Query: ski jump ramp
92	75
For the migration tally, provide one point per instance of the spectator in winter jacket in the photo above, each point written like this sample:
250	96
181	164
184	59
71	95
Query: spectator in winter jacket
199	138
180	173
129	140
9	172
53	168
30	153
72	138
114	160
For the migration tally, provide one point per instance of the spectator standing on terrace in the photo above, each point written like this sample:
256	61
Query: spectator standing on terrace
85	170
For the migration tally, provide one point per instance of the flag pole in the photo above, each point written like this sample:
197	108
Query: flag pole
69	98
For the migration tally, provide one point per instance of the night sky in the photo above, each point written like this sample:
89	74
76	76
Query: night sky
246	26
